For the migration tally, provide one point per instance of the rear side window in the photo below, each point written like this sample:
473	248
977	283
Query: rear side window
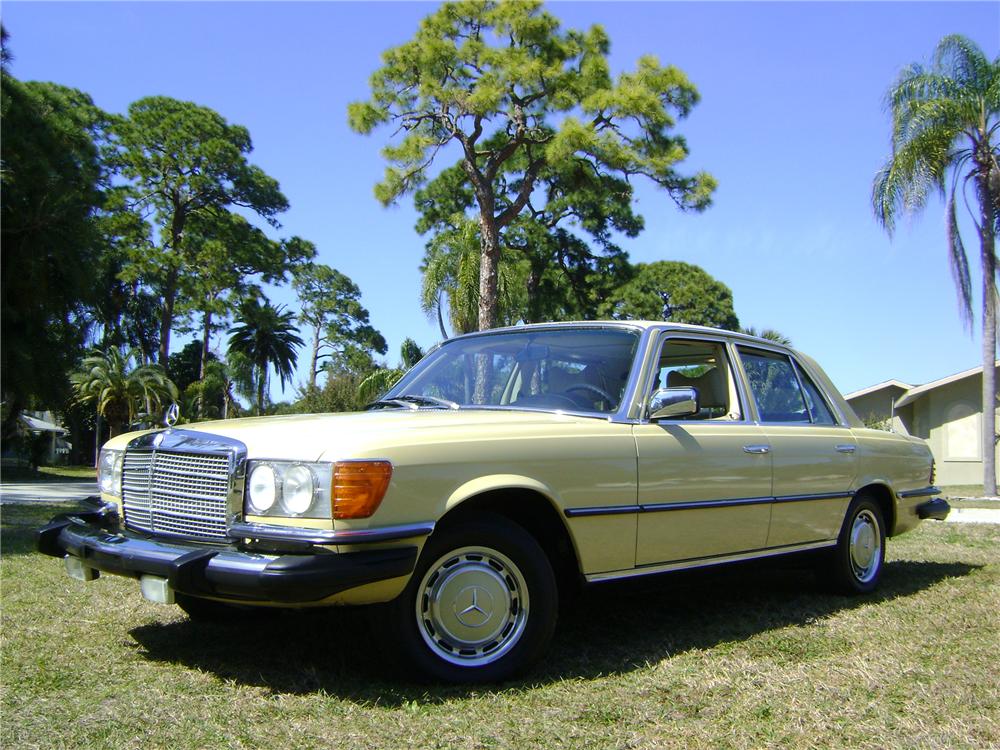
818	409
775	386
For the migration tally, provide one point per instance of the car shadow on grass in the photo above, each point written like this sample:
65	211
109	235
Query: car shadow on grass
608	629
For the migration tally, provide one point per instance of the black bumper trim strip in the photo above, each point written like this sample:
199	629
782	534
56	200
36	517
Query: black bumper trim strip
925	492
223	571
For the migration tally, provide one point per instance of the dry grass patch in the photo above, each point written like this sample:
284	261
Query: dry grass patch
743	658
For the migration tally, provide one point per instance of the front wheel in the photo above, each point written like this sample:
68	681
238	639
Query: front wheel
855	566
481	605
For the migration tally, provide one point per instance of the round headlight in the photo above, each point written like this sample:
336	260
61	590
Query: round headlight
297	494
106	470
263	489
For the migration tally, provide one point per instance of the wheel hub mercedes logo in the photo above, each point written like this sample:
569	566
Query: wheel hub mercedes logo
474	607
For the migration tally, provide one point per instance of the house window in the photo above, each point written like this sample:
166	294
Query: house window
962	433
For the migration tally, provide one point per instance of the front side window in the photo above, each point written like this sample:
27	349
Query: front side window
775	386
570	369
702	365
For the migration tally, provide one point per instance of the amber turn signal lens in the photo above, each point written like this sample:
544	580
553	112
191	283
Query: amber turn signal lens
358	487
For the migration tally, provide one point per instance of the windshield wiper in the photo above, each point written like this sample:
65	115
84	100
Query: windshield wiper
414	401
397	402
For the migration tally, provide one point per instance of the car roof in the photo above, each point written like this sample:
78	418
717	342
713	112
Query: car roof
641	325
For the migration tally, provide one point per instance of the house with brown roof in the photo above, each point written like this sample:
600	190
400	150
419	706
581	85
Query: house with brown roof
947	413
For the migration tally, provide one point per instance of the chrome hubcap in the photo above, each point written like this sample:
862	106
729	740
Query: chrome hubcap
472	606
866	546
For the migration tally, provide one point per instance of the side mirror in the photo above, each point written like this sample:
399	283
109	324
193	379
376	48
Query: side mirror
667	403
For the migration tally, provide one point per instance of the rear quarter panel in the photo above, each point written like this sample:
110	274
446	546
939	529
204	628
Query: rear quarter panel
900	463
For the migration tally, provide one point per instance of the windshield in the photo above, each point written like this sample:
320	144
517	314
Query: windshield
569	369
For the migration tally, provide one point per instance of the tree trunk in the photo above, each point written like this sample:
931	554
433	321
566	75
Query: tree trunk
206	335
534	303
314	360
444	331
987	242
167	317
261	385
203	365
170	287
489	265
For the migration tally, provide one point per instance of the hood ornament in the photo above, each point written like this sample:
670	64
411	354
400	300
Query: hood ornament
171	415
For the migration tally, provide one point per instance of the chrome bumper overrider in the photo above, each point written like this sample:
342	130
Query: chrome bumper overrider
224	571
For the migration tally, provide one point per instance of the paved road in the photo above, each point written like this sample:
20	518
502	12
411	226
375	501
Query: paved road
45	492
974	515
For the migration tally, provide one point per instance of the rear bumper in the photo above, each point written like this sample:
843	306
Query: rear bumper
938	509
218	571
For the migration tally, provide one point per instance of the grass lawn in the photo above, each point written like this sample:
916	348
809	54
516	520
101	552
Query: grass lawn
749	658
975	491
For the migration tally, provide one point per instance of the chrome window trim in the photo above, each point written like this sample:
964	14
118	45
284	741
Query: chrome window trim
620	415
662	336
760	419
834	409
797	366
633	401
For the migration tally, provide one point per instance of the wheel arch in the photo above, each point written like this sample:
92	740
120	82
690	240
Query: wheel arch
528	504
882	494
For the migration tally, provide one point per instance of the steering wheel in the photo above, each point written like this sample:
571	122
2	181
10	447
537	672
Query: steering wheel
593	389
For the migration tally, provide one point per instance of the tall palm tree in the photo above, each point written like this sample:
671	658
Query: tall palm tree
945	123
121	388
267	337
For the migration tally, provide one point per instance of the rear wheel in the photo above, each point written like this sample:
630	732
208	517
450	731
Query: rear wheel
855	566
481	605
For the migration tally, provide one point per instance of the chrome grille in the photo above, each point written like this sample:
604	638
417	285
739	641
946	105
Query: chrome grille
171	492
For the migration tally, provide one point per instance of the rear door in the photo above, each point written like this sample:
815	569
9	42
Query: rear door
814	455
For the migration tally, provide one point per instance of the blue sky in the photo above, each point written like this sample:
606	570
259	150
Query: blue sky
791	123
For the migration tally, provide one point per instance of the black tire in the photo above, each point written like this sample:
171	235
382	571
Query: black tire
855	565
208	610
481	605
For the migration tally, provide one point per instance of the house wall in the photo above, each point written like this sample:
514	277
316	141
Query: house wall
953	416
877	405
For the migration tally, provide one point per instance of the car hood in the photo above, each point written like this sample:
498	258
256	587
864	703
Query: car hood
330	437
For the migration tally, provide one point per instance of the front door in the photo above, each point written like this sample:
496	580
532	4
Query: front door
704	480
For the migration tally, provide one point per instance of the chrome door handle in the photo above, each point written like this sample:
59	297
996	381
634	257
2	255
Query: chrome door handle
846	448
757	450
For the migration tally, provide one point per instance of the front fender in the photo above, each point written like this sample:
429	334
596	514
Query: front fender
494	482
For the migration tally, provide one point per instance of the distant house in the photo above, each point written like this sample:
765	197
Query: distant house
947	413
39	425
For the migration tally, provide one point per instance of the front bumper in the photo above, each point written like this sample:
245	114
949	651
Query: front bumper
218	571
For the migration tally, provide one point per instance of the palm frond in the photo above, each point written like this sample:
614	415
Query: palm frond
378	383
917	166
964	59
958	262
